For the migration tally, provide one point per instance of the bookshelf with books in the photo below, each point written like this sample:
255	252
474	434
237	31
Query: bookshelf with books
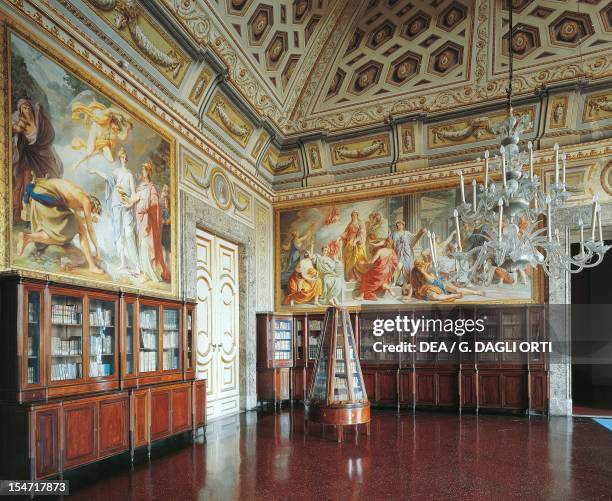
69	351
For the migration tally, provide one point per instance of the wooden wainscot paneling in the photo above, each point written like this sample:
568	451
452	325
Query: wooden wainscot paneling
369	381
359	150
141	418
597	107
80	437
113	430
227	117
489	390
160	413
471	130
283	384
538	387
468	389
46	441
515	390
181	409
386	387
447	391
425	388
298	383
406	394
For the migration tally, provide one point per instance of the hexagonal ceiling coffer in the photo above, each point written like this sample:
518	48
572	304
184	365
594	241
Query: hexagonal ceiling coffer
518	5
525	39
452	16
382	34
606	16
300	10
445	58
336	83
260	24
238	6
355	41
276	49
404	68
416	25
365	77
570	29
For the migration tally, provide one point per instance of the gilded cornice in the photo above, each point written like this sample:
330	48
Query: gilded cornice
69	36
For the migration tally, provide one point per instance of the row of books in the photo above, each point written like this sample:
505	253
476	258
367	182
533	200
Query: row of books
65	346
171	340
171	322
148	361
282	355
148	340
101	345
281	344
100	318
282	334
98	369
283	324
171	360
148	319
66	314
32	375
61	372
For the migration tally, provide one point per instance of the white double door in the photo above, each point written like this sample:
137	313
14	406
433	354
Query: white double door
217	317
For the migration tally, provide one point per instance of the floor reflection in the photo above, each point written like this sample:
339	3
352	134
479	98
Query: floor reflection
418	456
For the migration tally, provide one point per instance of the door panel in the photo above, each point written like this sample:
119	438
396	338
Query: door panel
80	433
47	442
217	319
113	435
141	418
181	409
160	414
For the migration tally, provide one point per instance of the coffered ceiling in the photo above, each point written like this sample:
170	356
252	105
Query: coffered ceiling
334	65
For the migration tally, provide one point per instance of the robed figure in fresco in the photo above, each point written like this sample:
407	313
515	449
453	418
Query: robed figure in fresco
353	248
304	285
327	267
33	151
378	279
404	242
148	224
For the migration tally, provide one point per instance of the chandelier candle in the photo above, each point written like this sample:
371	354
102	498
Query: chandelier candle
594	218
556	164
530	146
564	160
486	180
549	218
500	205
461	180
581	224
474	194
456	216
502	150
599	223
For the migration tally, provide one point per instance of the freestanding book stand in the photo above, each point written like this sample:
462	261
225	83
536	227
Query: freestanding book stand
337	395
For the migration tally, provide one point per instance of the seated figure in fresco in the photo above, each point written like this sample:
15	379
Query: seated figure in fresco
327	267
58	210
294	248
32	147
378	279
353	249
304	285
109	129
404	243
428	286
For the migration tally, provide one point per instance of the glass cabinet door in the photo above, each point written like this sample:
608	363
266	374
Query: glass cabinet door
299	339
148	324
189	361
171	339
66	338
129	338
101	338
315	326
33	375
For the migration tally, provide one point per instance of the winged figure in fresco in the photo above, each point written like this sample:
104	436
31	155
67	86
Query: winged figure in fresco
108	129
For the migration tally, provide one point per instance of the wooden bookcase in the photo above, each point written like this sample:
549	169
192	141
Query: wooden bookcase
275	352
87	373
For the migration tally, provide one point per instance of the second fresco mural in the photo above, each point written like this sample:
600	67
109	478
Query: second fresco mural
91	184
375	252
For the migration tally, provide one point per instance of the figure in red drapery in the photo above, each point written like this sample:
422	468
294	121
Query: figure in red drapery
380	275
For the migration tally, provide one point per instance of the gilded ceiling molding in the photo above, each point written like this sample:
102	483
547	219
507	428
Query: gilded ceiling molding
108	66
558	112
228	118
200	86
314	157
345	153
603	103
5	195
127	14
284	163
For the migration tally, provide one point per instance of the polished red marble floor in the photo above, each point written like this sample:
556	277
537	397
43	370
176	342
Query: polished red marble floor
407	456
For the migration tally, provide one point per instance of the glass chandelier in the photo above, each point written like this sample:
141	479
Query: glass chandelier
513	220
